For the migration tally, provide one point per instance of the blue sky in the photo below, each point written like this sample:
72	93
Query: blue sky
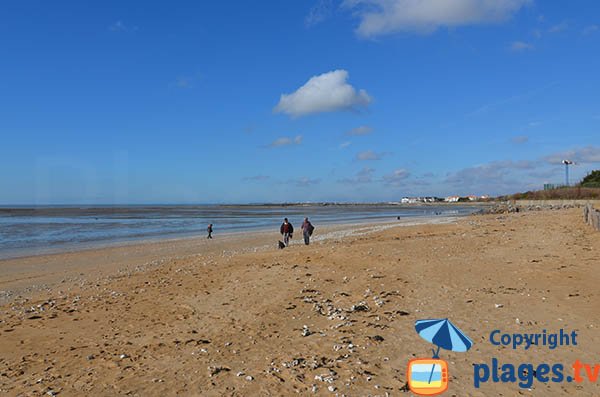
355	100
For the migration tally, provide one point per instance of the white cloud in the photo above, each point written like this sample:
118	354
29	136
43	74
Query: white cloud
362	130
588	154
286	141
521	46
344	145
545	174
379	17
397	177
497	177
488	172
369	155
507	176
327	92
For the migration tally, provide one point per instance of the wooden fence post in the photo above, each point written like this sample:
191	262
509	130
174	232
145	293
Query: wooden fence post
592	216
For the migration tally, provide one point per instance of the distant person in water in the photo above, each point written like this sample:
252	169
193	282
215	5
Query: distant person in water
287	230
307	230
209	230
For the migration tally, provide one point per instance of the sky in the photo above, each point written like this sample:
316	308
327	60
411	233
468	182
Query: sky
136	102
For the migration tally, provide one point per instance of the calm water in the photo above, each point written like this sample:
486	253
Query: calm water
25	231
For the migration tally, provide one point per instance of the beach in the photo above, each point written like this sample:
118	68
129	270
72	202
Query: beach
236	316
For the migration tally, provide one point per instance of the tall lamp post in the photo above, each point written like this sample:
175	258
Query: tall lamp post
567	163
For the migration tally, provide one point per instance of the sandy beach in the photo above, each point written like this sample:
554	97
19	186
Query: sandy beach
235	316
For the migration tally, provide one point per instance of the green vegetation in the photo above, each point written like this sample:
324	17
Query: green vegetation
587	189
591	180
562	193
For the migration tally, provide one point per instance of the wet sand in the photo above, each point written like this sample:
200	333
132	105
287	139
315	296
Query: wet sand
336	317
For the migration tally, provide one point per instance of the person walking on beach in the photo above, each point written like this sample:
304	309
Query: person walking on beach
209	230
286	230
307	230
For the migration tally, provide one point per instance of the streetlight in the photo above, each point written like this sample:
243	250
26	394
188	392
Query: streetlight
567	163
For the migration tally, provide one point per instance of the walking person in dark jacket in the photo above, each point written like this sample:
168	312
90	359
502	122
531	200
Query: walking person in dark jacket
307	230
286	230
209	230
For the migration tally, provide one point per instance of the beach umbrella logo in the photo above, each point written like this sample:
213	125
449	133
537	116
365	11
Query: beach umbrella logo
429	376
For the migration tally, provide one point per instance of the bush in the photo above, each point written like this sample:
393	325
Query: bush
563	193
591	180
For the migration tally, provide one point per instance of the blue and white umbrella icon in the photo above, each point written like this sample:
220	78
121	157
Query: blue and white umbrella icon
443	334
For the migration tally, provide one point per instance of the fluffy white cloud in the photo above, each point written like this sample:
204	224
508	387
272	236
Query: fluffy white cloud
286	141
362	130
369	155
588	154
378	17
327	92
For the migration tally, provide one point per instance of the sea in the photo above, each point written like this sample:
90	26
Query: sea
37	230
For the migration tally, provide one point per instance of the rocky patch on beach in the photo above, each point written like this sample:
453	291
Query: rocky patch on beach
508	207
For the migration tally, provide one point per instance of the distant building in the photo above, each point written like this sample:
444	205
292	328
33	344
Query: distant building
414	200
452	199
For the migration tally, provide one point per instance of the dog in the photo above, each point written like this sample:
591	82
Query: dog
281	245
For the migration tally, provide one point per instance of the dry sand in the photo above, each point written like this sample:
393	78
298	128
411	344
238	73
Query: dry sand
337	317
